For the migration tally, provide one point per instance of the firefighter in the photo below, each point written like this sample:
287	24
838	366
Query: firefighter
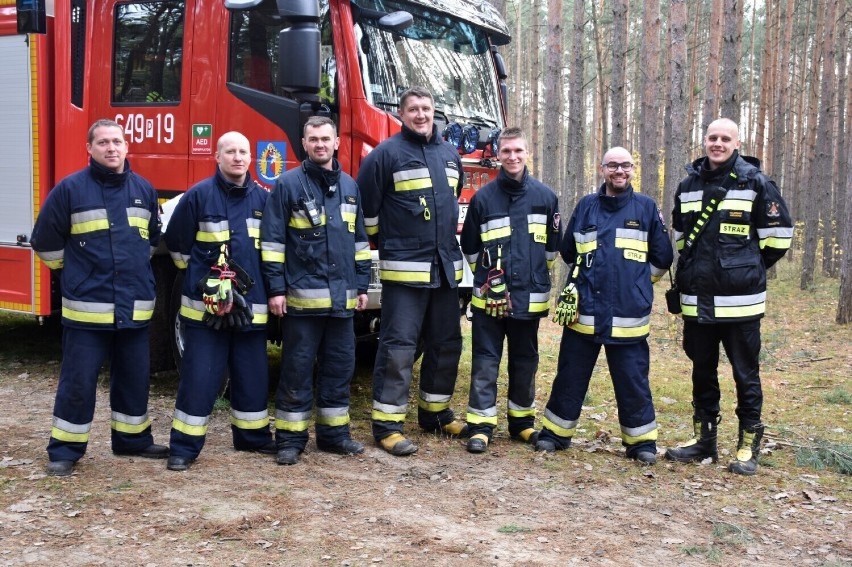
98	227
410	185
316	266
617	246
721	276
510	239
214	236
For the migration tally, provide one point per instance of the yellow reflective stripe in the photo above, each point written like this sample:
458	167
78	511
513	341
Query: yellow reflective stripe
560	431
632	244
308	302
583	328
742	311
253	232
361	255
495	233
137	222
101	317
477	419
249	423
630	332
690	207
69	437
586	247
372	230
432	406
521	412
131	428
303	222
90	226
377	415
779	243
539	307
218	236
348	217
332	420
183	427
397	276
272	257
634	439
413	184
296	426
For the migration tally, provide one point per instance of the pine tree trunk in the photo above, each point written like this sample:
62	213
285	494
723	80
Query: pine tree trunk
678	100
649	116
620	27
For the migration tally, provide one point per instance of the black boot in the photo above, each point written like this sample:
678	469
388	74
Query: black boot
748	449
703	445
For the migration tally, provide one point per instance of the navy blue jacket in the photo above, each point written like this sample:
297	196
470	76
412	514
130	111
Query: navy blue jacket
211	213
623	247
101	228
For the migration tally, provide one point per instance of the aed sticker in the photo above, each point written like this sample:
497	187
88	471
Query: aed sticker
736	229
634	255
270	160
202	139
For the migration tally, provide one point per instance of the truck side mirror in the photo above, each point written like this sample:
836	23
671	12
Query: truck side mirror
299	59
31	16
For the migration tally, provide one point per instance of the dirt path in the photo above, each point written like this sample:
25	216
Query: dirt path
442	506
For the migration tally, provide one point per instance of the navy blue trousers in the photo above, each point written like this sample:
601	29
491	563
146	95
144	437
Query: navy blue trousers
83	354
328	342
208	356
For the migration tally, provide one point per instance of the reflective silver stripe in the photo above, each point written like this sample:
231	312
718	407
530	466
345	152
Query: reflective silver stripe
494	224
351	294
691	196
250	415
585	238
130	419
292	415
631	233
400	266
359	246
630	321
543	297
333	412
488	412
778	232
347	208
586	320
213	227
513	406
196	305
657	272
180	260
678	235
458	265
253	223
451	172
144	305
371	221
52	255
309	293
435	398
71	427
550	256
739	300
388	408
409	174
139	212
87	216
195	420
273	247
537	219
688	299
87	306
741	194
558	421
471	258
641	430
260	308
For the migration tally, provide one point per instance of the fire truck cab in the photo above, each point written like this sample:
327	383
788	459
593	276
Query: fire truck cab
176	74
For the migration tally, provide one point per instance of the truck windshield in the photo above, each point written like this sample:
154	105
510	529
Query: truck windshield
449	57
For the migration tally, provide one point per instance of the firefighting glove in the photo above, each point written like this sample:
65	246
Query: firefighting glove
566	307
496	294
217	294
241	315
215	322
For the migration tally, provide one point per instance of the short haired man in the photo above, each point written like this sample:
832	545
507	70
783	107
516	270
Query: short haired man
99	226
730	224
618	246
316	267
510	238
410	185
214	235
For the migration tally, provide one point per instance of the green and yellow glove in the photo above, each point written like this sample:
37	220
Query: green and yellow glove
496	294
566	306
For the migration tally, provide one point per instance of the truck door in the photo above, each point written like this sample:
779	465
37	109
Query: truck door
143	83
16	170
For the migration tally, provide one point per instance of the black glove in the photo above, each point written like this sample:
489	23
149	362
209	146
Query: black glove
215	322
496	294
241	314
566	307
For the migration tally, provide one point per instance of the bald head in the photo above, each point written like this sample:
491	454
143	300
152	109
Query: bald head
723	137
617	170
233	154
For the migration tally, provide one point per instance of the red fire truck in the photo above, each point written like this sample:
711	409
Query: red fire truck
176	74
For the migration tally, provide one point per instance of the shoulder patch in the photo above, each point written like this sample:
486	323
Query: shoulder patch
772	210
556	222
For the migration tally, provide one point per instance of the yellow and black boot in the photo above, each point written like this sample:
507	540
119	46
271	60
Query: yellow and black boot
703	445
748	449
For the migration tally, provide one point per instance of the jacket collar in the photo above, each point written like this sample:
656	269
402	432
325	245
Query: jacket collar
614	202
107	176
413	136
